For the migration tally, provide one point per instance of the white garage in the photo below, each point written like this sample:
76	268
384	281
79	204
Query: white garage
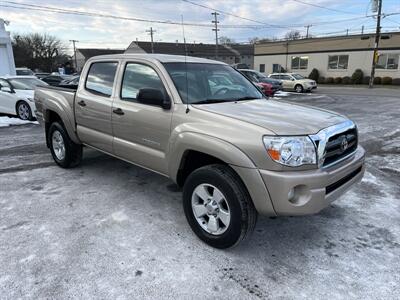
7	65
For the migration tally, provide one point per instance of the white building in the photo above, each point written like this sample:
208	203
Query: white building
7	64
331	56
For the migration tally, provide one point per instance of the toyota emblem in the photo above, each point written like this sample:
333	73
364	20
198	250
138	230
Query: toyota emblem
344	145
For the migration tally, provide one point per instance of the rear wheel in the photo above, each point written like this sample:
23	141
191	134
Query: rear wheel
299	88
24	111
65	152
218	206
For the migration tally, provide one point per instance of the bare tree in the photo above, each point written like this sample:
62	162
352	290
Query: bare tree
38	51
293	35
226	40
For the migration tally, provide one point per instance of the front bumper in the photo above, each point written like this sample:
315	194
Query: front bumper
308	192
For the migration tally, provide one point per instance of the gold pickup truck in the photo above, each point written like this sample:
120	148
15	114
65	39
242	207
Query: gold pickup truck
235	153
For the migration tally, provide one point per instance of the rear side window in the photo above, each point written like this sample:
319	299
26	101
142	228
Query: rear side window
100	79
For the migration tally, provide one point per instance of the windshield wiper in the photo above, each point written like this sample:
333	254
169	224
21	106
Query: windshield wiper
247	98
208	101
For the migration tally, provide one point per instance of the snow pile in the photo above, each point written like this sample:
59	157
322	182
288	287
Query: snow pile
6	121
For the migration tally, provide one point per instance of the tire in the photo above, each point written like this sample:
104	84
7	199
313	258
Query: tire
237	202
299	88
24	111
65	152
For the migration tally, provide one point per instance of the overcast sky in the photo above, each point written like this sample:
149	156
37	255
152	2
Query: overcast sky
100	32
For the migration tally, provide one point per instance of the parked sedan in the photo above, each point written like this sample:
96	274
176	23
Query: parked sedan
56	79
294	81
16	96
257	77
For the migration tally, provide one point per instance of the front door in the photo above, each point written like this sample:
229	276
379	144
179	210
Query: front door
93	105
141	131
7	99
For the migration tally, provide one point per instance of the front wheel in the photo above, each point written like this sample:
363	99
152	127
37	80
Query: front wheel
218	207
299	88
65	152
24	111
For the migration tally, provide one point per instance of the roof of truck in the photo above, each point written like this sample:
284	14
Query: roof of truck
164	58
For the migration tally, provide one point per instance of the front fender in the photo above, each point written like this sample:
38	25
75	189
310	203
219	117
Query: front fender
228	153
184	141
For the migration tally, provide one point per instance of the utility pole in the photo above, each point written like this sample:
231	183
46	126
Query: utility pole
308	27
73	43
347	32
151	32
215	14
362	30
376	45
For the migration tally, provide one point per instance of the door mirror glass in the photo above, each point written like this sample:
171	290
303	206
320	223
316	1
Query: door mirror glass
153	97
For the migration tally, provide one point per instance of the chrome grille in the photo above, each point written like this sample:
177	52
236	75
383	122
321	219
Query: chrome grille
335	143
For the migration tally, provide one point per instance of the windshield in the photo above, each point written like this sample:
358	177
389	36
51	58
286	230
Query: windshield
26	83
205	83
298	76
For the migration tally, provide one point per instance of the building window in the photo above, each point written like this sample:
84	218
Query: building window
277	68
299	62
338	62
388	61
262	68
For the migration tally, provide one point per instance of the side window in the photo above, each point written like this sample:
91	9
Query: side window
138	76
100	79
286	77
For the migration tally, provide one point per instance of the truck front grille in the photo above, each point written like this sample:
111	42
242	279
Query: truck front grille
340	145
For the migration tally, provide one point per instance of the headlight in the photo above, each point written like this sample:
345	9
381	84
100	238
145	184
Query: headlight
291	151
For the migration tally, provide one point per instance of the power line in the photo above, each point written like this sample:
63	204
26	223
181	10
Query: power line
33	7
236	16
324	7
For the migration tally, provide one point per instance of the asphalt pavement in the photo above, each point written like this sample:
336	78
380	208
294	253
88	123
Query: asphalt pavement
110	230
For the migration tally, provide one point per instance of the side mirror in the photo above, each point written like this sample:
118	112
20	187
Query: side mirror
153	97
6	89
292	79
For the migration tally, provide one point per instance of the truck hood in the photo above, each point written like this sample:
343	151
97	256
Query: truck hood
282	118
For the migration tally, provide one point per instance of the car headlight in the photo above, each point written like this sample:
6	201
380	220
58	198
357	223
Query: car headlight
291	151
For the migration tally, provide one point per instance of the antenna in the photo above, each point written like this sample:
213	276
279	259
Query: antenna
186	70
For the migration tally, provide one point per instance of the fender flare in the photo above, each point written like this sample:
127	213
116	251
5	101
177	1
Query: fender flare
223	150
61	111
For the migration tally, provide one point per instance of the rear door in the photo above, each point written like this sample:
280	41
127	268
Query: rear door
7	100
287	81
141	131
93	105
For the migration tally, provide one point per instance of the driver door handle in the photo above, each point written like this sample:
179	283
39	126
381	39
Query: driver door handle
82	103
118	111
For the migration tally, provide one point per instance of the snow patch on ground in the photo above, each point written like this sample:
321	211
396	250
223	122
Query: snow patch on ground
369	178
282	94
6	121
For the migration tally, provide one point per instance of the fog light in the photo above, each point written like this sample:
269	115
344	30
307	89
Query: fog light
299	195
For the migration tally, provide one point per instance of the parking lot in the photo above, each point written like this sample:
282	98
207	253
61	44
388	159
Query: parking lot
108	229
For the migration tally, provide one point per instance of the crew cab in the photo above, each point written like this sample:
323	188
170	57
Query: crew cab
235	153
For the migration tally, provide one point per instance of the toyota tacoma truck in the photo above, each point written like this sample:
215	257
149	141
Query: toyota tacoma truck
235	153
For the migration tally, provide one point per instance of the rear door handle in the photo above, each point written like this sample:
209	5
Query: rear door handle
118	111
82	103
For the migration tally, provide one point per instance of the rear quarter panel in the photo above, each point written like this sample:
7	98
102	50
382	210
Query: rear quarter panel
60	101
